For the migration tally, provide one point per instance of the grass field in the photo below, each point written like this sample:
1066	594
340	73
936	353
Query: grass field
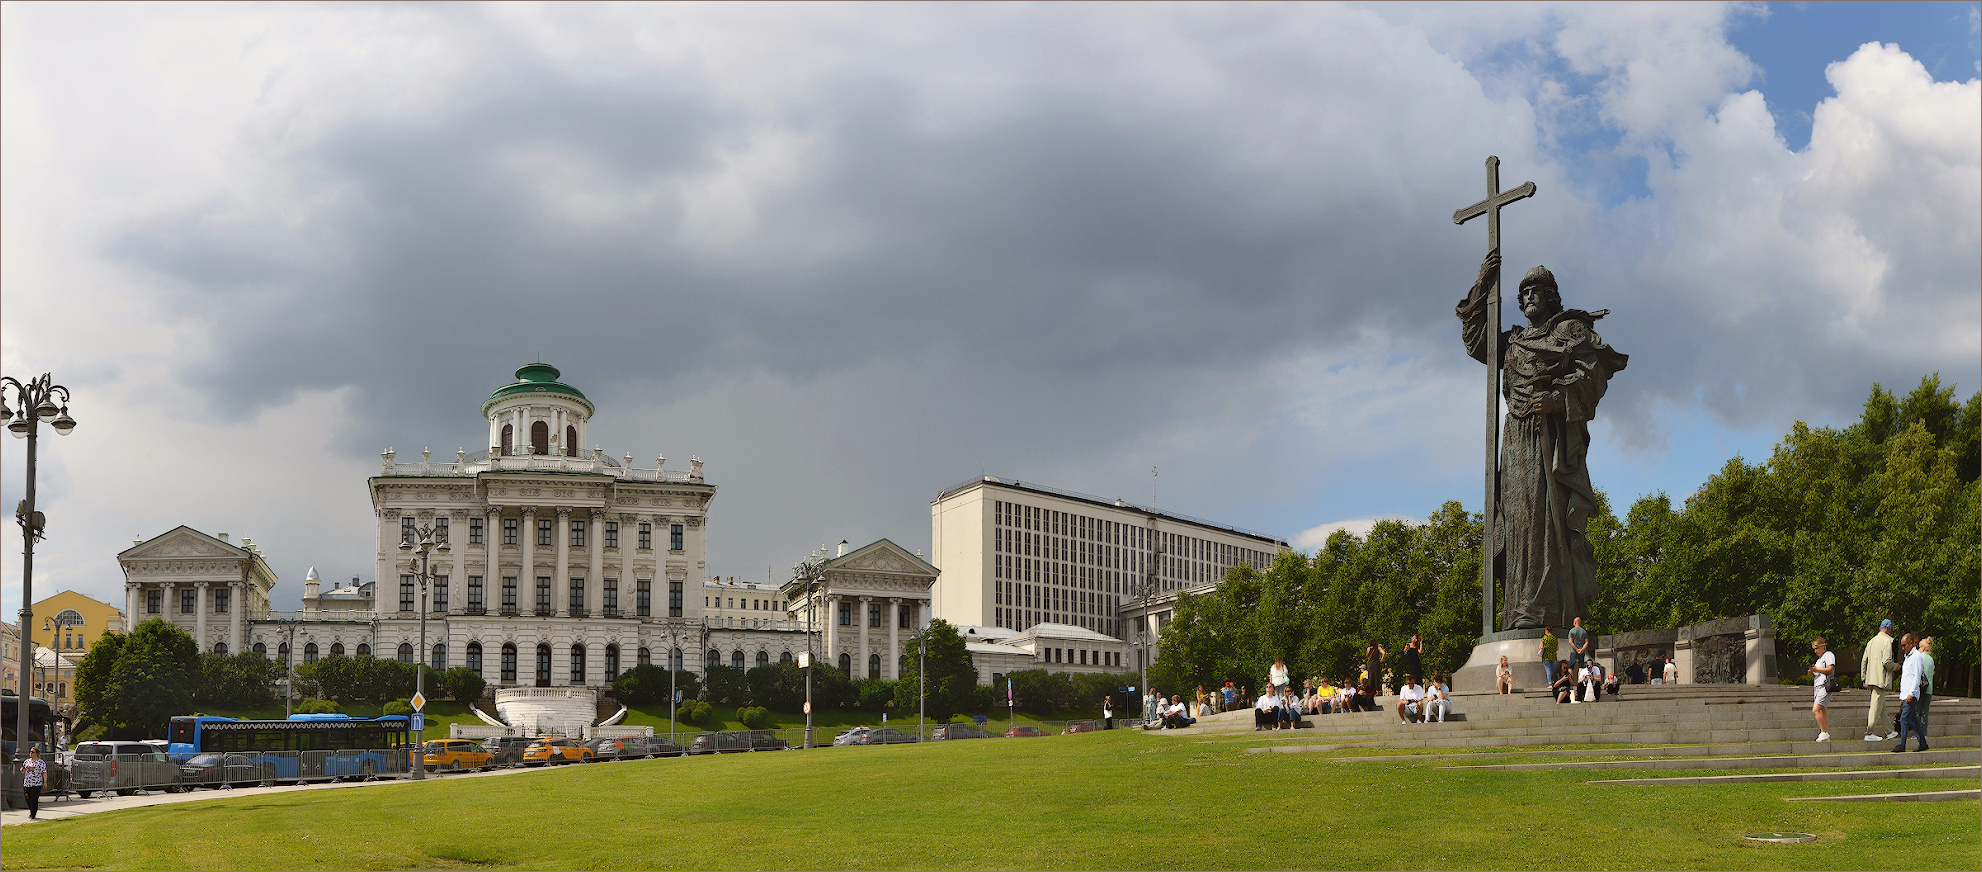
1111	800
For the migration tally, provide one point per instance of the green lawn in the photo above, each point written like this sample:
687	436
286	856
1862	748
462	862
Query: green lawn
1120	800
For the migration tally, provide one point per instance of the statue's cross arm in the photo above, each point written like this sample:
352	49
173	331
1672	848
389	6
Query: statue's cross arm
1496	200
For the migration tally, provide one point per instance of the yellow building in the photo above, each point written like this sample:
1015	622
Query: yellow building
69	622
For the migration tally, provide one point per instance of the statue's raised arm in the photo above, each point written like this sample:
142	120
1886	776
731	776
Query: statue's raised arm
1472	310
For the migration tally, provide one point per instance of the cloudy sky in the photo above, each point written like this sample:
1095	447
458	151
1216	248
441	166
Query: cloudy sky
850	255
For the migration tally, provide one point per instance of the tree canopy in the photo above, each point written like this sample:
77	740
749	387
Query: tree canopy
952	678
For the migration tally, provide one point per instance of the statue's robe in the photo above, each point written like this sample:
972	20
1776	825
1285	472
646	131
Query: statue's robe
1548	570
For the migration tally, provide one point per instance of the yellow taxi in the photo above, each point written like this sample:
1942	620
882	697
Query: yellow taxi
555	749
455	755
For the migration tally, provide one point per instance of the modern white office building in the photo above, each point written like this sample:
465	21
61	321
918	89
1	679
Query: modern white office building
1019	555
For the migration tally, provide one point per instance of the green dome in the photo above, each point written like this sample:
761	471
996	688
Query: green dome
537	378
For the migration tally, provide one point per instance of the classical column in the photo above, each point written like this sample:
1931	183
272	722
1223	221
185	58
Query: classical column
457	584
891	668
526	581
860	623
131	605
561	542
237	602
832	652
199	616
492	568
629	531
167	609
595	542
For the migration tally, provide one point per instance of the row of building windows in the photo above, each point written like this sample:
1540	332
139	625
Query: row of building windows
643	596
1023	618
223	600
540	439
904	615
755	605
546	530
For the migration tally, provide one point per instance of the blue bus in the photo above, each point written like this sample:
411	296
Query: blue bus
302	748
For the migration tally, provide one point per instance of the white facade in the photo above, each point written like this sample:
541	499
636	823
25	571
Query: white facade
205	585
1020	555
873	599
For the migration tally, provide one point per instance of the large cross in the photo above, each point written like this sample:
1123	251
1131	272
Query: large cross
1496	200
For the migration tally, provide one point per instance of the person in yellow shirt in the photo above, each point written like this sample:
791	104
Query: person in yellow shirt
1325	696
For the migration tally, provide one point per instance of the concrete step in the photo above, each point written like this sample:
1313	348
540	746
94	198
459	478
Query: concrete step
1698	732
1924	796
1879	758
1646	739
1558	726
1848	775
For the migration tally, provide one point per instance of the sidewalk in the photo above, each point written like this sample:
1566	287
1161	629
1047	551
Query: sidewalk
56	809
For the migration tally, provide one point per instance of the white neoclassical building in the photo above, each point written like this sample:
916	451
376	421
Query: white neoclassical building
871	599
206	585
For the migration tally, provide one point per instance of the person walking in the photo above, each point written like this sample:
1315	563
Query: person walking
1671	671
1107	712
1910	696
34	776
1926	680
1548	648
1879	669
1820	673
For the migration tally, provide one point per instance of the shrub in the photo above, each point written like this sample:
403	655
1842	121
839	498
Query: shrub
755	717
649	684
462	684
694	711
726	684
316	707
399	707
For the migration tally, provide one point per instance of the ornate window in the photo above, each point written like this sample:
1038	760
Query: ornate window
846	664
873	614
440	594
364	650
475	657
438	660
222	600
474	531
874	667
674	537
337	649
508	439
577	534
846	614
540	438
570	441
646	658
282	654
509	531
154	602
646	542
509	664
612	662
643	597
544	532
736	658
714	659
543	665
784	658
405	652
763	658
186	600
310	653
675	660
612	534
220	648
674	599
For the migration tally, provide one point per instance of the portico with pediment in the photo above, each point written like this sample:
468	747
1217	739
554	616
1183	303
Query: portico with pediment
205	585
872	599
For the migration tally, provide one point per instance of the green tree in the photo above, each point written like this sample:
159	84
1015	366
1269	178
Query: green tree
463	685
244	680
777	686
951	684
726	685
96	696
649	684
154	677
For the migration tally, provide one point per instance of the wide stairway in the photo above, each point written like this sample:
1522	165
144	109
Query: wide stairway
1648	727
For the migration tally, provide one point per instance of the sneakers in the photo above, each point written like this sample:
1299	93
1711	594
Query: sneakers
1872	737
1893	735
1823	737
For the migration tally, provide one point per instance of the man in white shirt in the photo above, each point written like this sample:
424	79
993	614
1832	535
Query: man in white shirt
1437	702
1910	695
1408	701
1671	672
1265	712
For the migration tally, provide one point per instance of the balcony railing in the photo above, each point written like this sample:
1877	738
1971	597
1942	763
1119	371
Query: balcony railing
609	612
546	612
511	611
326	615
576	611
466	464
475	610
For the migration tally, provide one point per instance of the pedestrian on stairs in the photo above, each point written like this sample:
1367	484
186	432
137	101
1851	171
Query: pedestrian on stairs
1820	675
1911	690
1547	649
1879	669
1926	679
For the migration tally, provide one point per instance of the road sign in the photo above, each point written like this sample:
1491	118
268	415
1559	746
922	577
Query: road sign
419	722
804	659
419	702
808	706
980	719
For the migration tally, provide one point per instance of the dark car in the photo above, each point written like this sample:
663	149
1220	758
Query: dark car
508	750
945	732
732	741
885	736
1025	731
661	746
225	770
125	767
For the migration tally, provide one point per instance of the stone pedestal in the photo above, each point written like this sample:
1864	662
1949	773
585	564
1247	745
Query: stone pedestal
1522	648
554	711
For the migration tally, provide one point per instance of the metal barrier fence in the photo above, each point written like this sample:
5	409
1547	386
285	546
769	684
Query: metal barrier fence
126	774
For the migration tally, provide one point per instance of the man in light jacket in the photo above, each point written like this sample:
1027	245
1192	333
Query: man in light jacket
1879	670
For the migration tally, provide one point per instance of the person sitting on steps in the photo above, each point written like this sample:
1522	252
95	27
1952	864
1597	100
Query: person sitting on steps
1409	699
1564	685
1266	715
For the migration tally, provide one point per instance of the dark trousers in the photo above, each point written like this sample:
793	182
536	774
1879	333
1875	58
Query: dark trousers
1909	721
33	792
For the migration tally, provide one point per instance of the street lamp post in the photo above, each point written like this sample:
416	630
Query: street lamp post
674	644
37	401
425	545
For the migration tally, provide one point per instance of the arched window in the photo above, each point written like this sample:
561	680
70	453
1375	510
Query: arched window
475	657
675	660
763	658
874	667
846	665
438	661
901	665
337	649
282	654
261	649
997	677
540	438
612	662
736	658
405	652
508	439
220	648
577	664
784	658
646	658
714	659
61	689
570	441
543	666
364	650
509	664
310	653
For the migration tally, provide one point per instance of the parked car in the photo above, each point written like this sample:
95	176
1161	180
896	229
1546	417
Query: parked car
732	741
455	755
1025	731
851	737
1084	726
507	750
217	770
885	736
661	746
618	747
125	767
945	732
555	749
